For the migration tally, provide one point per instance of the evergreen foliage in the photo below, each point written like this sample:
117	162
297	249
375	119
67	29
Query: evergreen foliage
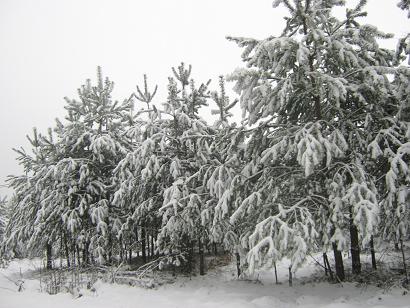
3	216
320	159
319	95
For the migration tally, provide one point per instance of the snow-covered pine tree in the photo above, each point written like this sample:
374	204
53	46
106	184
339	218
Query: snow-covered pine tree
4	214
34	219
93	139
64	197
221	177
140	173
390	152
186	145
3	217
310	93
403	46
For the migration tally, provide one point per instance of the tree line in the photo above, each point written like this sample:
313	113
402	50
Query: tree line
319	163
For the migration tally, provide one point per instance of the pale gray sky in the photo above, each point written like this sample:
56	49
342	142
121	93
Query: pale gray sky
49	47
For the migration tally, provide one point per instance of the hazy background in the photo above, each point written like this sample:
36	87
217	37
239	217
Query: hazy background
49	47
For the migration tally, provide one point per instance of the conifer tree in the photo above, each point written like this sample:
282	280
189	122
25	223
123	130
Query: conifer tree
93	135
65	194
140	173
313	93
34	218
221	176
390	151
186	144
3	216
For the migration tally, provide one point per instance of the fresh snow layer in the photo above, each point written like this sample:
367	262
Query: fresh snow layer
217	289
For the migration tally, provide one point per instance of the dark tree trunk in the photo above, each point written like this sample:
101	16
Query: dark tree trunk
340	271
78	256
355	248
130	256
276	273
152	244
86	259
201	258
73	249
324	263
109	247
327	265
137	239
148	244
238	264
49	259
191	257
406	281
121	251
61	249
143	244
215	249
373	253
67	252
290	276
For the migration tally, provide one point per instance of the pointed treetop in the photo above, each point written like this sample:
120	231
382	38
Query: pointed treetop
222	101
146	96
182	74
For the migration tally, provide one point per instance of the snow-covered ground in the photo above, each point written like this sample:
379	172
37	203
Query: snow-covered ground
217	289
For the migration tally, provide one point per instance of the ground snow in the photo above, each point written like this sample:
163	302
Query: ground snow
217	289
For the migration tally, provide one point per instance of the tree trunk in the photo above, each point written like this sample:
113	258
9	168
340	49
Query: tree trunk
67	252
327	265
406	281
61	249
191	257
238	264
373	253
148	244
201	258
354	248
49	259
215	249
73	249
152	244
143	244
290	276
324	263
130	256
121	251
340	271
137	240
276	273
109	247
86	259
78	256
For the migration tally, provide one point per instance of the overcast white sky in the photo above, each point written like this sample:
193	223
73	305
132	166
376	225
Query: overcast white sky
48	48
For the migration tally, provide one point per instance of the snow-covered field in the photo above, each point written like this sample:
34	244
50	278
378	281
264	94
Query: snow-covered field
217	289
